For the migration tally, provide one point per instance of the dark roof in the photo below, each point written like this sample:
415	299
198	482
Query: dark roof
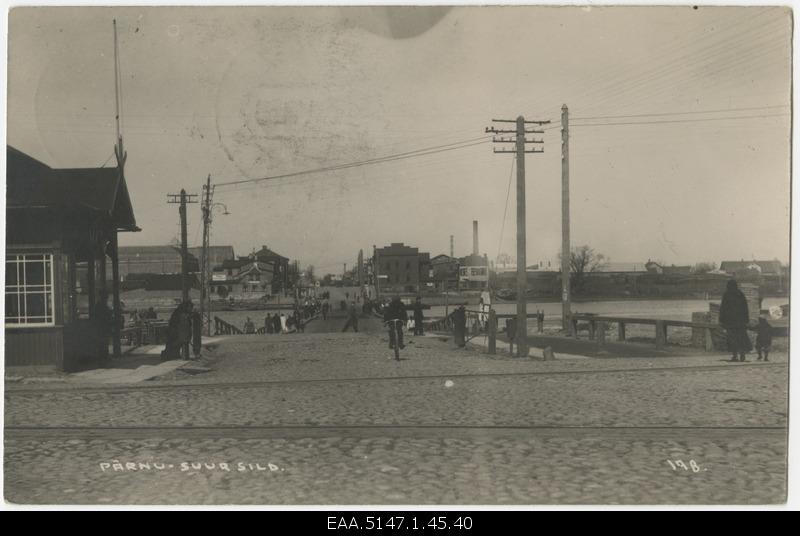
133	251
266	253
33	184
768	267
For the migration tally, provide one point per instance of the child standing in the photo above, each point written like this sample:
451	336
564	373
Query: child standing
763	338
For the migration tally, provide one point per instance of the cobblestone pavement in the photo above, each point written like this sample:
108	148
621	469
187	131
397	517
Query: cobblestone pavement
741	450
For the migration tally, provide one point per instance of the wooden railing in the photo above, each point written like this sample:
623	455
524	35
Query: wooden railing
596	327
223	328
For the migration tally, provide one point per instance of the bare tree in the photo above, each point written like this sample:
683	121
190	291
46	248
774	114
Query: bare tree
584	260
704	267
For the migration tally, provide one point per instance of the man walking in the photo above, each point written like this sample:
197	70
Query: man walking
460	326
352	318
418	317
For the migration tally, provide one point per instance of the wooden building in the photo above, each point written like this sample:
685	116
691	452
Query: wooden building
60	222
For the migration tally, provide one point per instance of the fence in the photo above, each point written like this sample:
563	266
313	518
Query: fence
596	327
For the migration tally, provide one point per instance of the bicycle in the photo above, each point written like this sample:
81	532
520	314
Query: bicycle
395	335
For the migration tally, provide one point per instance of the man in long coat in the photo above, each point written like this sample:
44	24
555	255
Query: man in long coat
460	326
734	317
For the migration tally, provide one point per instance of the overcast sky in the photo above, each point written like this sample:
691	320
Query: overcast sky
243	93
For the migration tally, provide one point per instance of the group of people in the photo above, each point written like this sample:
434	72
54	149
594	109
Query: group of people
281	323
734	316
184	330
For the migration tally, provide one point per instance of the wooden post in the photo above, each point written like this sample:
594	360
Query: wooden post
621	331
574	327
600	335
565	248
540	321
115	329
592	329
709	341
522	277
661	334
492	331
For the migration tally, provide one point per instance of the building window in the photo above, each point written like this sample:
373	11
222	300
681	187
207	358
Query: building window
29	290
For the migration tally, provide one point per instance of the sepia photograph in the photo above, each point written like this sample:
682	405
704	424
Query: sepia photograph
458	256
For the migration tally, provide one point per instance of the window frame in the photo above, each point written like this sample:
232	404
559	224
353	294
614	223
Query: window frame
48	256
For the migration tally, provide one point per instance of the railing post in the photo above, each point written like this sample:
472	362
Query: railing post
709	341
621	331
600	334
574	324
491	329
661	334
592	329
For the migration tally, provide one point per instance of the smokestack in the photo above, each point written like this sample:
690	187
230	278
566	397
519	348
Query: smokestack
475	237
451	246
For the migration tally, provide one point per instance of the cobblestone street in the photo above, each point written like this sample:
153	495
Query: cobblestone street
328	418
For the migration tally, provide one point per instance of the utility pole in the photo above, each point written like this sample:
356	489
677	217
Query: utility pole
566	305
205	295
522	282
183	198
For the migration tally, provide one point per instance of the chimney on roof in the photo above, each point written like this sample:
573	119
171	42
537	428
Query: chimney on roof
475	237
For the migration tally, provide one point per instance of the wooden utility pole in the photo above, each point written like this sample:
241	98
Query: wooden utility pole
522	279
566	305
183	198
205	295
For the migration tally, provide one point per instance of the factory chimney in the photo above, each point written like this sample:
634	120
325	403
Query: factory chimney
475	237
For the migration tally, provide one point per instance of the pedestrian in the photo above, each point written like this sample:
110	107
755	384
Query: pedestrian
269	325
151	314
460	326
352	318
763	338
734	316
197	333
249	327
185	330
325	308
284	327
103	320
418	317
511	332
392	312
298	322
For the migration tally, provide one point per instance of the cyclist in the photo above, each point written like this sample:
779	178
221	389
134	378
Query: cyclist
393	313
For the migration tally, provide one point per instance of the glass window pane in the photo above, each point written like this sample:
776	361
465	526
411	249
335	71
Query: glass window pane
34	305
11	273
34	273
12	307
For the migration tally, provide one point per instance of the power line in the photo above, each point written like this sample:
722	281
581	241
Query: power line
680	120
389	158
505	211
682	113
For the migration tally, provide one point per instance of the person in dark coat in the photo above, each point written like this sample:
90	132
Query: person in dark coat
352	318
418	317
763	339
178	331
395	311
460	326
197	333
734	316
269	325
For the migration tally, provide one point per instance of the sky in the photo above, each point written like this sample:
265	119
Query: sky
679	124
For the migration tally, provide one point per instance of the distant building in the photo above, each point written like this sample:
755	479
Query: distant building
261	272
744	268
623	267
473	271
445	271
656	268
216	254
400	267
153	260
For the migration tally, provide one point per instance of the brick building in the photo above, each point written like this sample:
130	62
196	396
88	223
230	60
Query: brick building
402	268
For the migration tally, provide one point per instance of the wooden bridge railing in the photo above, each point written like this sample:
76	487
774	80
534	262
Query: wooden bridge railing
223	328
596	326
